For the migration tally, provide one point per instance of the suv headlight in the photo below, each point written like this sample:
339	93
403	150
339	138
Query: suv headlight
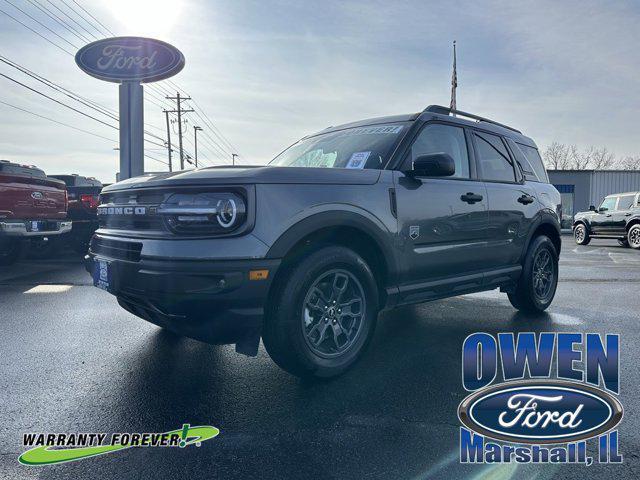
204	213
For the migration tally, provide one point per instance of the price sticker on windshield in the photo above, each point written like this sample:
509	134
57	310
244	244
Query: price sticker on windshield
358	159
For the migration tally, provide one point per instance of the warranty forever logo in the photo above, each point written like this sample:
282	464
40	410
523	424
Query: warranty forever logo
53	448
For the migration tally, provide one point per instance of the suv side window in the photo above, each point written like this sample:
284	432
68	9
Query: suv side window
609	204
534	160
440	138
493	159
626	202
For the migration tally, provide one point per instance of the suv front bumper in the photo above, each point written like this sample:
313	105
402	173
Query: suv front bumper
214	301
25	228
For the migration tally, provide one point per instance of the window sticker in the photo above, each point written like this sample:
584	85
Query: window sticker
358	159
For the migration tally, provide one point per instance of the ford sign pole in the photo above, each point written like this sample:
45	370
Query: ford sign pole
131	130
130	61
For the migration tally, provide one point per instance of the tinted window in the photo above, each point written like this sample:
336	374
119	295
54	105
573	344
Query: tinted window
438	138
533	165
609	203
15	169
493	158
626	202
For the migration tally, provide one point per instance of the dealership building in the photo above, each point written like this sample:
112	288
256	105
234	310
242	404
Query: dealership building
582	188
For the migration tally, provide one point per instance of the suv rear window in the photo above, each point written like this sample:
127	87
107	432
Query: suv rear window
77	181
495	163
626	202
535	162
15	169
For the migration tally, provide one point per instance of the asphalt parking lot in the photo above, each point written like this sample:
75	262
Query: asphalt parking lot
73	360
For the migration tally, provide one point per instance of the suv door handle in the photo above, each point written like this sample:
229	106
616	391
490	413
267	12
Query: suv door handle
526	199
471	198
627	214
608	215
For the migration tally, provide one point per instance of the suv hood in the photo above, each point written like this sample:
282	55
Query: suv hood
251	175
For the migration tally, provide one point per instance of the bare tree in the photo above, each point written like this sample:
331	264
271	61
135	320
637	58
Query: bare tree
560	156
557	156
630	163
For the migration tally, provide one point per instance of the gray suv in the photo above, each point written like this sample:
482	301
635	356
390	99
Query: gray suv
306	251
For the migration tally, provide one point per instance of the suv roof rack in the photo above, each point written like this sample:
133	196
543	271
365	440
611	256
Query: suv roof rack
447	111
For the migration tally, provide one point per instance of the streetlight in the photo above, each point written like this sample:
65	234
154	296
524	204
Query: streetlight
196	129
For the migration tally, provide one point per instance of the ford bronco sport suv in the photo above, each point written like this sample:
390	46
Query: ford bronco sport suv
307	250
617	217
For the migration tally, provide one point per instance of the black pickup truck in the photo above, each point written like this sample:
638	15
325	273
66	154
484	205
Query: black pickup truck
304	252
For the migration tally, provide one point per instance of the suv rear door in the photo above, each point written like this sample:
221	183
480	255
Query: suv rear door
442	221
618	219
512	203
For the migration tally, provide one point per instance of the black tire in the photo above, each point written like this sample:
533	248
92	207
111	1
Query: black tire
633	237
623	243
296	313
11	251
581	234
532	294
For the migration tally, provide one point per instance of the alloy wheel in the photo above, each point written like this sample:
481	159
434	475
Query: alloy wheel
634	237
333	313
580	234
543	274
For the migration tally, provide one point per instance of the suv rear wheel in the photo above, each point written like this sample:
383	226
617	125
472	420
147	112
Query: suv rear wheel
581	235
539	280
633	237
323	313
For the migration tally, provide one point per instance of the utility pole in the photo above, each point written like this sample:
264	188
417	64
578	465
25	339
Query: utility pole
196	129
166	112
233	158
180	111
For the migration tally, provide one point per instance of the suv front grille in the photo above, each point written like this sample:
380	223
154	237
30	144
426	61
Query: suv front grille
120	250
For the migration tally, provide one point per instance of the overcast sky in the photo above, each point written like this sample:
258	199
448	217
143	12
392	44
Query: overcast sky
268	72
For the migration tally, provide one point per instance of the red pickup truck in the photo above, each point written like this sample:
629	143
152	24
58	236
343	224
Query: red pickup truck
31	206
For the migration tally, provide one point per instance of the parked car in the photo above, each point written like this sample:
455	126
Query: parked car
617	217
83	193
32	206
306	251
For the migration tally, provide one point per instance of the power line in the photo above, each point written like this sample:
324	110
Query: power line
73	20
70	7
98	21
57	121
34	31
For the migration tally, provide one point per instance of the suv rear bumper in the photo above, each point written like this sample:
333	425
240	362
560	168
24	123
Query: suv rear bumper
210	300
23	228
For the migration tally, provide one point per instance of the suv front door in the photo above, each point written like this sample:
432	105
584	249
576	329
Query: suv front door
512	203
442	221
622	213
601	222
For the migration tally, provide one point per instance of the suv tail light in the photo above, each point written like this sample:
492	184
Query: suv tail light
89	201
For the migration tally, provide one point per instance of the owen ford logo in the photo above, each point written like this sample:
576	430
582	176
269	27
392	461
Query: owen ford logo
122	210
540	412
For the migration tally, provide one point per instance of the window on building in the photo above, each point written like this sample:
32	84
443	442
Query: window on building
494	161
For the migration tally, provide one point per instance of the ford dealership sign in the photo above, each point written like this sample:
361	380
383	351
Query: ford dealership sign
540	412
133	59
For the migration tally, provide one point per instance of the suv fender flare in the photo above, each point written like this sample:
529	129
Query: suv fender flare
547	221
345	216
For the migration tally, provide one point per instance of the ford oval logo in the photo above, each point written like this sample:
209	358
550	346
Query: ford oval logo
37	195
137	59
540	412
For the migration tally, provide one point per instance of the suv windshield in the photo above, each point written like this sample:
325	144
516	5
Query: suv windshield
357	147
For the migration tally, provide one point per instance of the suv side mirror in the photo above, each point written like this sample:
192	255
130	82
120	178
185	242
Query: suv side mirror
592	208
433	165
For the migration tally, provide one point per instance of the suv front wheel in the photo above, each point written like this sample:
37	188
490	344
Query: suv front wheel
539	280
581	234
322	314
